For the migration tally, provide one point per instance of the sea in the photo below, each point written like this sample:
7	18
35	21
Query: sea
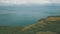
23	15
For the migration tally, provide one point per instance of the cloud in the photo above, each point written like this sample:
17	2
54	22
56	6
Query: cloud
54	1
24	1
29	1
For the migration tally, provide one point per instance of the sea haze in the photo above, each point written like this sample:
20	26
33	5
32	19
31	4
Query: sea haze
20	15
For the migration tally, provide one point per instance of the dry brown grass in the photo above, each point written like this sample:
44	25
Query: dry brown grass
46	32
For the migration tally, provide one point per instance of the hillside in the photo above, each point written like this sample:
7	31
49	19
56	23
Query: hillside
49	25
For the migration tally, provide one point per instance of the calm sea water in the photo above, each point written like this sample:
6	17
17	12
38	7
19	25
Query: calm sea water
25	15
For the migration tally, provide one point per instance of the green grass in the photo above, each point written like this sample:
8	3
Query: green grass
41	26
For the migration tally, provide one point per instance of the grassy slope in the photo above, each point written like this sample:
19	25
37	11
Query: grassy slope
49	25
10	30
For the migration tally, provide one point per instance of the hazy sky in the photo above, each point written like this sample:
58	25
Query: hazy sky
29	1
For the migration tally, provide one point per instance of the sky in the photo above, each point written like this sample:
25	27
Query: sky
29	1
